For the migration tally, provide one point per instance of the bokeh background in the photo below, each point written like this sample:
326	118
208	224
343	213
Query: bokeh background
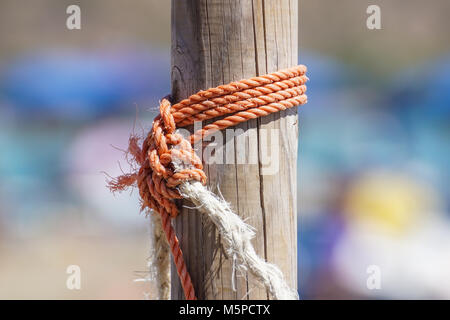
373	148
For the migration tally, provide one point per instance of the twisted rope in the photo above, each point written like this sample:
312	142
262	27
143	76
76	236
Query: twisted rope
160	258
167	160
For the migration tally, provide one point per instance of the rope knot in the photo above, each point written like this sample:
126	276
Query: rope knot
169	161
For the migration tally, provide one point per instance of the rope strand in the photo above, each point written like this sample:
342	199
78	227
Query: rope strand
235	97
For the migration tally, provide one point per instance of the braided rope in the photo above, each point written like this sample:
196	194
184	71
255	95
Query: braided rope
158	179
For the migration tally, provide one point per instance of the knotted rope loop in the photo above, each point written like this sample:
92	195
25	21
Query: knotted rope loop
164	147
167	160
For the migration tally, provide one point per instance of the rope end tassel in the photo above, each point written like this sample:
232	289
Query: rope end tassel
169	169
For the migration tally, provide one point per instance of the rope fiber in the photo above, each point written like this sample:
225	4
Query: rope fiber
169	169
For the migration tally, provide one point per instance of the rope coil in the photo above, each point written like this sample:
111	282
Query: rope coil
167	159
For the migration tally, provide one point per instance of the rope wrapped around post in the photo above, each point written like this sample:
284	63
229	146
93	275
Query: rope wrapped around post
167	160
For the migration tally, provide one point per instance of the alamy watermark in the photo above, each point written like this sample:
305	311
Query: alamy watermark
73	21
373	21
374	279
240	147
73	281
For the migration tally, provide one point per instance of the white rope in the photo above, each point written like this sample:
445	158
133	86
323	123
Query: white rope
160	258
158	262
236	238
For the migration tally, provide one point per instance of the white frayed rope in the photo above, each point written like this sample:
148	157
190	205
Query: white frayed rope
236	238
158	262
161	258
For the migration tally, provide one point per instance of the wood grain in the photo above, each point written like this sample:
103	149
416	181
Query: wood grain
215	42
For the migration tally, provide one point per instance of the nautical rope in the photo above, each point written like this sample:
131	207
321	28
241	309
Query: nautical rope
161	258
236	239
168	164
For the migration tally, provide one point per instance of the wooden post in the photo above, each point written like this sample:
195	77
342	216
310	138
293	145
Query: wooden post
215	42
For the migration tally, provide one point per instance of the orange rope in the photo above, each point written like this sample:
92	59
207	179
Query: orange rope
238	101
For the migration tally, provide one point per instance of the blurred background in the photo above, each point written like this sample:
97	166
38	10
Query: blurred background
373	148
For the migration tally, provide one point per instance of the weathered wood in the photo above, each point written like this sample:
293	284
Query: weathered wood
215	42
